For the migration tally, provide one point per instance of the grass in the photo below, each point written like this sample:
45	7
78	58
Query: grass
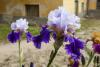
5	29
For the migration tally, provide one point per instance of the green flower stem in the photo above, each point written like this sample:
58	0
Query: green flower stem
52	58
53	54
19	46
92	56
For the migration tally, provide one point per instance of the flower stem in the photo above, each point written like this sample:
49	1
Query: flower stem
19	46
92	55
57	45
52	58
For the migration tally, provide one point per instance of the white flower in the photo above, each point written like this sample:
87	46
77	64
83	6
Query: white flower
20	24
62	19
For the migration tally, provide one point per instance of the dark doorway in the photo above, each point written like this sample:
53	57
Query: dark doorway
32	10
98	4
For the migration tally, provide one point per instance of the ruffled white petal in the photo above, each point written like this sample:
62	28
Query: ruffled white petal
21	24
61	18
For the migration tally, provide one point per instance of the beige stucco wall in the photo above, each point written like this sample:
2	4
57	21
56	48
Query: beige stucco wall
80	5
69	5
92	4
17	7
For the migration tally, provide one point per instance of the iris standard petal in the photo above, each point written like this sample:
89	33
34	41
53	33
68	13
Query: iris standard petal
29	37
13	36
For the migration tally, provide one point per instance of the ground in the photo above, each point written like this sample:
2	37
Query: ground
40	57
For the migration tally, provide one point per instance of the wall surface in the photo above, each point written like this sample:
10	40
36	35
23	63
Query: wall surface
17	7
70	6
92	4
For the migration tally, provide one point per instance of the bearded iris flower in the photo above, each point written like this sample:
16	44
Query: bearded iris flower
64	26
44	36
18	27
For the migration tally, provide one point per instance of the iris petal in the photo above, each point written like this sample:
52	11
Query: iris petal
37	41
73	49
13	36
29	37
79	43
45	34
68	38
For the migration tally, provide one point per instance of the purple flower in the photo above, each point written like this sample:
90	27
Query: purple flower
73	49
13	36
96	48
44	36
29	37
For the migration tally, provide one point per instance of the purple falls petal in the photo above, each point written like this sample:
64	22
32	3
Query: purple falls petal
29	37
13	36
68	38
45	34
79	43
73	49
37	41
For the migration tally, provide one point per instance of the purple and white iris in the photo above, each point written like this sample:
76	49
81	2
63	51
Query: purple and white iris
61	21
18	27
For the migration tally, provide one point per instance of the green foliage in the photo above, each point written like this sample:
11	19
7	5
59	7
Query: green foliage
4	29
